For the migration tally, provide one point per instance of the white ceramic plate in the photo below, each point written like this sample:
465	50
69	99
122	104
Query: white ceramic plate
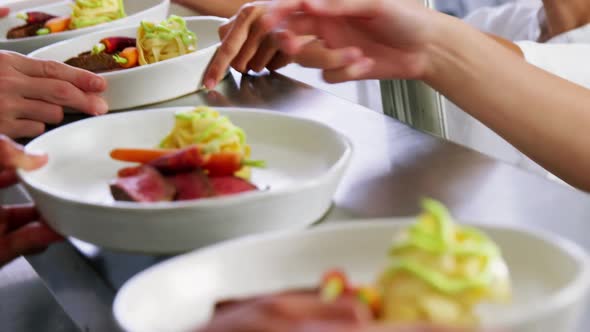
306	161
18	5
153	83
136	10
551	276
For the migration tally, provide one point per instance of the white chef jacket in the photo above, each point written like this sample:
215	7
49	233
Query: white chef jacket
565	55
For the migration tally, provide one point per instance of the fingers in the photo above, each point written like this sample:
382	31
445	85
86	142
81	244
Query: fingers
8	178
22	128
82	79
355	71
4	12
62	93
253	44
263	56
15	216
13	156
280	60
315	55
37	111
231	45
280	10
26	240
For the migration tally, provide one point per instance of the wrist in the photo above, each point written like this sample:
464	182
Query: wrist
442	47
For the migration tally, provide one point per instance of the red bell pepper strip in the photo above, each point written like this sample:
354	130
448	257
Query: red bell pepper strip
334	285
114	45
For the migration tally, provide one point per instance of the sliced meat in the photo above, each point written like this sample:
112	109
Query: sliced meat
193	185
24	31
232	303
148	185
229	185
186	160
96	63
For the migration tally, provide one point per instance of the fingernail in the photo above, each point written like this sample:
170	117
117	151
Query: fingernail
102	107
360	67
97	84
210	83
351	54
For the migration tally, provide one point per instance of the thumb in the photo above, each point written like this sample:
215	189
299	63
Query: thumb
13	156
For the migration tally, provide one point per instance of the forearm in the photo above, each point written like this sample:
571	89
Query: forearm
544	116
222	8
507	44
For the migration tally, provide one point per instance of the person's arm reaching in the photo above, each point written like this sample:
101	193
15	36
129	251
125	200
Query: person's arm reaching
508	45
222	8
544	116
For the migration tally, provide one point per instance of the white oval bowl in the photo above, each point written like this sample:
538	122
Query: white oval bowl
20	5
152	83
551	276
137	10
305	159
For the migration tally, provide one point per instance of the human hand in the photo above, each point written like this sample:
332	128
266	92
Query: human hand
391	37
21	231
248	45
33	92
4	12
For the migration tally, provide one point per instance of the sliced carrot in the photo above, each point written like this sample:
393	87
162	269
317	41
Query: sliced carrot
223	163
131	55
142	156
58	24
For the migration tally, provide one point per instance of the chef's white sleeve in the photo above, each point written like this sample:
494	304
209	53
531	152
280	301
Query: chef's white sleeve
569	61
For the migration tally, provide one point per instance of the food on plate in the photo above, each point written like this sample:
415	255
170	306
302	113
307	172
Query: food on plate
437	272
153	43
165	40
205	155
85	13
109	54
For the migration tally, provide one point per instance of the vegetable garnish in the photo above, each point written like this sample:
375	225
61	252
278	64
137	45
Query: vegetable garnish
213	163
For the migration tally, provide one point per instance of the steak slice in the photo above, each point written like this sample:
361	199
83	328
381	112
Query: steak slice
192	185
147	185
229	185
96	63
24	31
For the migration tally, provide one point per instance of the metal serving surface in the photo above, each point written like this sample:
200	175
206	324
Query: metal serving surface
392	168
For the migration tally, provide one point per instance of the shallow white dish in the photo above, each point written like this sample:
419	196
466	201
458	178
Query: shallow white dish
18	5
551	276
153	83
305	162
136	10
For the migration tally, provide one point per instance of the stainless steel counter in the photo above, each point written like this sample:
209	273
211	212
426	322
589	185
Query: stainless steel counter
393	166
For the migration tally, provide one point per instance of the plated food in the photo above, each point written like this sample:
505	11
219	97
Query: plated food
294	190
437	271
542	287
153	43
85	13
205	155
176	62
38	31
